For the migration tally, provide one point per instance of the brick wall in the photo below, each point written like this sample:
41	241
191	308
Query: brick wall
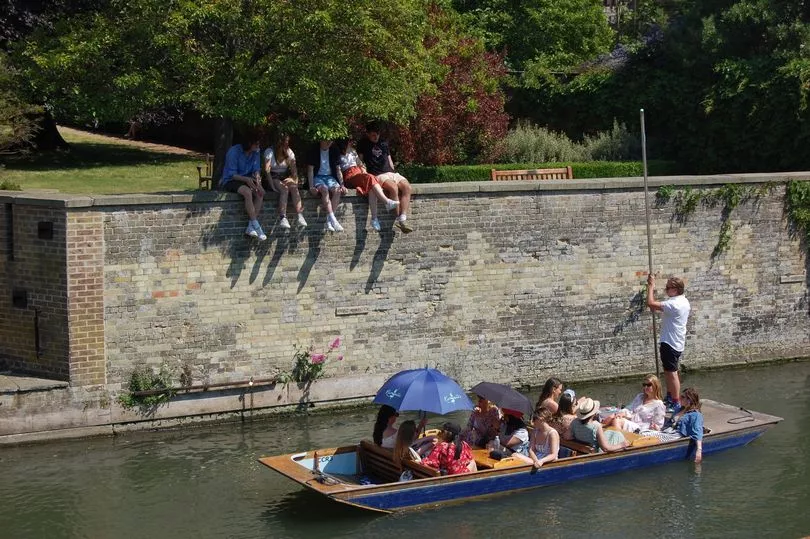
509	283
35	267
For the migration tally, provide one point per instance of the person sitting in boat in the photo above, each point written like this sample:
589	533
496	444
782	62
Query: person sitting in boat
687	422
405	447
646	412
516	436
451	455
385	434
590	432
565	415
549	395
544	441
483	425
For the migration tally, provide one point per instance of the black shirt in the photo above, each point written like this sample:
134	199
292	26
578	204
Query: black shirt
375	156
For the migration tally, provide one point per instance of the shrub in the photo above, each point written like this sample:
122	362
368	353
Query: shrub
479	173
618	144
527	143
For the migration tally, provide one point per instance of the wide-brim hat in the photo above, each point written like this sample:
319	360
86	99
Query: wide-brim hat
587	408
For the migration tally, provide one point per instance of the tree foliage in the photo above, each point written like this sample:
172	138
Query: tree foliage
18	124
308	64
461	118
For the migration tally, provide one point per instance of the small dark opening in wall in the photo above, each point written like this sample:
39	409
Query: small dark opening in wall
19	298
45	230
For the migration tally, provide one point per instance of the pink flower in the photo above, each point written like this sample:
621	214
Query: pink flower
334	344
340	357
317	358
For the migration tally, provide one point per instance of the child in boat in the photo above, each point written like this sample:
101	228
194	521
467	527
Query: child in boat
385	433
483	425
404	446
645	413
544	441
451	455
590	432
516	436
565	415
688	422
551	391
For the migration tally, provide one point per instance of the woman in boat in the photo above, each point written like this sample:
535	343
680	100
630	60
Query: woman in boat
689	421
551	392
544	441
451	455
385	433
483	425
590	432
646	412
403	448
565	415
516	436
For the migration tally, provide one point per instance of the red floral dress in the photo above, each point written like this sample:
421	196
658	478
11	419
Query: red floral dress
442	458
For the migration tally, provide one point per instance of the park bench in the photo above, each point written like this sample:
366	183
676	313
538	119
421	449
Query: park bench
537	174
378	462
207	178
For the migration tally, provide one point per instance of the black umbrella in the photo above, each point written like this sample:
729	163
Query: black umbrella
504	397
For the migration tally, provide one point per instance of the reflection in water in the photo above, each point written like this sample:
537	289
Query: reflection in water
205	482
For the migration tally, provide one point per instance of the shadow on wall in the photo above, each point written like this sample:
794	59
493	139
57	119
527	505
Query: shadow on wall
228	236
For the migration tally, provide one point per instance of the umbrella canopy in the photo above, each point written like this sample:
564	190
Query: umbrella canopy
426	390
504	397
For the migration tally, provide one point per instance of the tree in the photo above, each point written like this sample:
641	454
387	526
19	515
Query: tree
306	65
18	123
463	118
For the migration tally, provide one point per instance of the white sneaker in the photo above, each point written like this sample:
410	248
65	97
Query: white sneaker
329	226
332	219
391	204
284	223
375	224
301	220
260	233
250	231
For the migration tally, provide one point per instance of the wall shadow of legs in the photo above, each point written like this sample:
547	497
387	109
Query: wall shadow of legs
380	256
315	237
360	234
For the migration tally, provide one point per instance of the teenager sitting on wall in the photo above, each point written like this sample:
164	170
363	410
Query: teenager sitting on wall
242	174
325	179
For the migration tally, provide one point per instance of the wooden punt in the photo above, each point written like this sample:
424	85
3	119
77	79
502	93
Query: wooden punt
350	474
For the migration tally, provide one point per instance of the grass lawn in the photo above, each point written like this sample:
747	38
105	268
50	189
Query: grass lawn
103	165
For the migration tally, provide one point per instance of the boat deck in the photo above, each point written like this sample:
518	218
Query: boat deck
720	418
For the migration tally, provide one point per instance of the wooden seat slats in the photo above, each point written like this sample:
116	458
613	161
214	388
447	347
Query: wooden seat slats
565	173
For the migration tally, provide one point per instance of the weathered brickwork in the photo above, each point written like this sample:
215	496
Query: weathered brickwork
85	287
35	267
498	282
510	287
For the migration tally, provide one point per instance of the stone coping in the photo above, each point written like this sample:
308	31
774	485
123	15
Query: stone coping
53	199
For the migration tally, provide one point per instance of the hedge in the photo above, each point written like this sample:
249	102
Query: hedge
591	169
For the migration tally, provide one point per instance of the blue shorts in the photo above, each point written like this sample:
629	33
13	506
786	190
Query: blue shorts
325	181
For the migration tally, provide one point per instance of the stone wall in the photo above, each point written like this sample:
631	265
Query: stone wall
509	282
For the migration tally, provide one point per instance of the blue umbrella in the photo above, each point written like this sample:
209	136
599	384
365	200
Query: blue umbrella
426	390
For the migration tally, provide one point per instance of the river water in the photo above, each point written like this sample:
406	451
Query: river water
205	482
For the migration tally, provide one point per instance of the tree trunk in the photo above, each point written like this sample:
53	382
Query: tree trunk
223	141
48	137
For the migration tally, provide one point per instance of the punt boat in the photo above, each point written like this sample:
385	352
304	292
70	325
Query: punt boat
364	476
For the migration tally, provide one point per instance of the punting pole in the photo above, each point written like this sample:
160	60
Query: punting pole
649	236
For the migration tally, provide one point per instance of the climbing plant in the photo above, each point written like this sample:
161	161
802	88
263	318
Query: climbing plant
143	378
798	207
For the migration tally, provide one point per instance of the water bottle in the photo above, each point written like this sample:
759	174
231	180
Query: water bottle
316	465
496	444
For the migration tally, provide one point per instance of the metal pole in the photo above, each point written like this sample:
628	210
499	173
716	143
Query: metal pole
649	236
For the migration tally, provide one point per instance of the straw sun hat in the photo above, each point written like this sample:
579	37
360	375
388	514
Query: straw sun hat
587	408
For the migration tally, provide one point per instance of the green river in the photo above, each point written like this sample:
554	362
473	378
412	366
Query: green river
205	482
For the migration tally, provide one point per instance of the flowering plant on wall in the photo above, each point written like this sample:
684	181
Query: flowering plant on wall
308	364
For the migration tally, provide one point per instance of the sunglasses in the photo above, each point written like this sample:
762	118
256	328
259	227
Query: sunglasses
646	384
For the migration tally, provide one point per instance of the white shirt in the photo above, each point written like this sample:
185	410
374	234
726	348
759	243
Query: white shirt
275	166
348	160
674	313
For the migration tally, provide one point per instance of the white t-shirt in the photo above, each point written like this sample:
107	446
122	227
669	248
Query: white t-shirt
348	160
674	313
275	166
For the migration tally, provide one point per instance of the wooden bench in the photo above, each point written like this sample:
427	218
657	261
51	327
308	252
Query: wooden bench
577	447
537	174
378	462
207	178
